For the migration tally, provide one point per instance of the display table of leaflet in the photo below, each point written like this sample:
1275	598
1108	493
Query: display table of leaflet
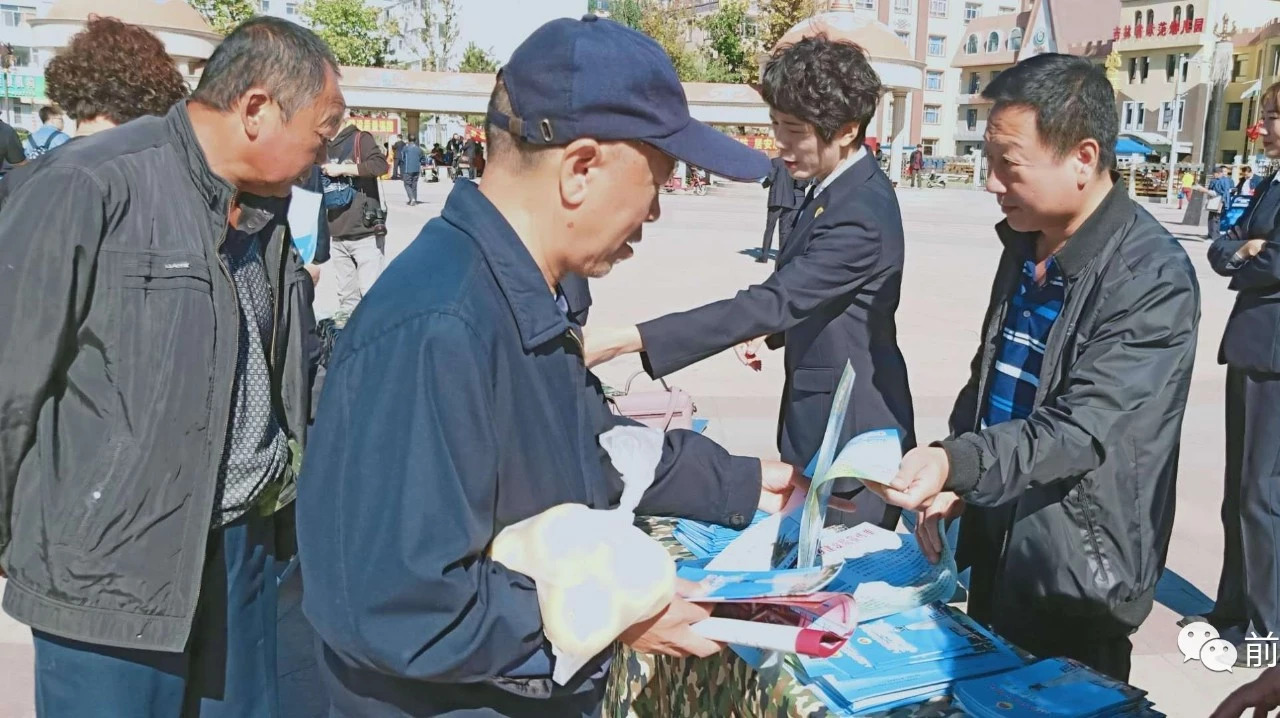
720	686
724	685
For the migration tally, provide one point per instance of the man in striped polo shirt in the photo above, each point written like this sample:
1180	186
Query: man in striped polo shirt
1033	311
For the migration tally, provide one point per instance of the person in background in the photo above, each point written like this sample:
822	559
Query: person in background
1188	181
1219	191
411	160
1248	183
49	136
358	247
156	277
397	167
110	73
469	147
1064	442
785	197
1249	253
437	161
458	403
916	165
834	292
11	154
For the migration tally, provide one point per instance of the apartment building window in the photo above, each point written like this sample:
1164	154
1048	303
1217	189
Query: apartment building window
21	56
938	8
1177	16
1146	67
266	5
905	37
993	42
1186	66
1133	70
1235	113
971	45
1237	68
867	4
1015	39
1008	9
902	7
1133	116
971	10
1275	61
1191	12
1166	115
932	114
1170	67
971	119
15	15
975	83
928	147
291	8
937	45
933	80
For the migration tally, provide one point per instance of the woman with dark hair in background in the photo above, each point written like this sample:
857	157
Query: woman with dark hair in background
110	73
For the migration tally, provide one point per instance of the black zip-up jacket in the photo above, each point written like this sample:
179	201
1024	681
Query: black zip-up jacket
1071	509
347	223
118	346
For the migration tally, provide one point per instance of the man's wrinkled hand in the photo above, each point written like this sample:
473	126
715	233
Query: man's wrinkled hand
1262	695
669	632
604	344
748	353
921	476
779	481
945	505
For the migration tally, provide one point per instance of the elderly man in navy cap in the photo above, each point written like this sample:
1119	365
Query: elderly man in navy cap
458	403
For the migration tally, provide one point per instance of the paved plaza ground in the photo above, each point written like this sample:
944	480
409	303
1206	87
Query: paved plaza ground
703	249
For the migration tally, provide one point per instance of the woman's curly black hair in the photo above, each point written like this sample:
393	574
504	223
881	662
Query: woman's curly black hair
824	82
114	70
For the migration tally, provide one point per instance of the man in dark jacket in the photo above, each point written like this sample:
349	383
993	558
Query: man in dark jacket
358	250
833	296
411	159
784	199
1065	441
155	388
397	171
486	415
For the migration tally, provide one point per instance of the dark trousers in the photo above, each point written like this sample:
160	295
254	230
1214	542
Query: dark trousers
1249	585
411	185
783	218
229	665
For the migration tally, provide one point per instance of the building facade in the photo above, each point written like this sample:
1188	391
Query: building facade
1255	66
22	84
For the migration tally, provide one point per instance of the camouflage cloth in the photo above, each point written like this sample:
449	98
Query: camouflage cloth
722	686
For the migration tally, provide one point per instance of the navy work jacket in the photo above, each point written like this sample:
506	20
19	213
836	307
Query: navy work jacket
457	404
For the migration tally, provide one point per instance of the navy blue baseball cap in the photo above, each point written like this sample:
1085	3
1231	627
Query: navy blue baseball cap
599	79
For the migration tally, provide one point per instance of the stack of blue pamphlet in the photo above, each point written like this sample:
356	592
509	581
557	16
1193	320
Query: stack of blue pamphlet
706	540
1052	687
904	659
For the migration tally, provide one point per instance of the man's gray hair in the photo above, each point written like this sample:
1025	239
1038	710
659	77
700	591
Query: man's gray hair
287	60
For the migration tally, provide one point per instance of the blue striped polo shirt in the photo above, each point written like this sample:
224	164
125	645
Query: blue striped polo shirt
1032	312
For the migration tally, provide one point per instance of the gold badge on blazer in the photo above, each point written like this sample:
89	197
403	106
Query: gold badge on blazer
818	212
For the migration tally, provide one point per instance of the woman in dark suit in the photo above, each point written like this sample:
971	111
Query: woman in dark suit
1249	586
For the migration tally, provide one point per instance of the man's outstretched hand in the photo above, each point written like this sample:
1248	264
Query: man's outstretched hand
779	481
1262	695
748	353
601	344
945	505
921	476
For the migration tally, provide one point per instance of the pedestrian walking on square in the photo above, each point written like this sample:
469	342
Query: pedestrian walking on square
485	413
156	277
784	199
1063	453
1248	596
834	292
1219	191
916	166
397	169
412	160
358	228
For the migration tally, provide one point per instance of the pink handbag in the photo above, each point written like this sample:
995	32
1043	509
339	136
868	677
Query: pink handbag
665	410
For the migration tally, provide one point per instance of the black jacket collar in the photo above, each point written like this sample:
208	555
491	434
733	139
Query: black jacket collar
532	303
1110	217
216	191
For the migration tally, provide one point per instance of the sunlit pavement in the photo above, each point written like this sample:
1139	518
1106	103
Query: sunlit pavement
702	249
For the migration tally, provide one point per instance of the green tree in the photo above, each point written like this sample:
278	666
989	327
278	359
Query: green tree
224	15
351	28
475	59
729	48
778	16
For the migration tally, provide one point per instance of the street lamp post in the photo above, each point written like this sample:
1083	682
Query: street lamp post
6	62
1174	125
